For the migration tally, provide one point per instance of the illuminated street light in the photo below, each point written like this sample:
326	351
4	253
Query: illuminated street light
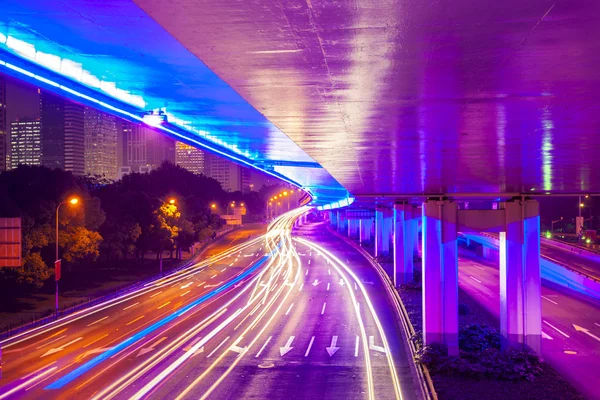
171	201
73	201
242	204
213	206
581	204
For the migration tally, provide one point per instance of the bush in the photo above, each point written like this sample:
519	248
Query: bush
478	337
481	357
417	339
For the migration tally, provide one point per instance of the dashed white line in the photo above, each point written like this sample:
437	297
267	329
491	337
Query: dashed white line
328	284
596	324
329	271
355	286
156	294
356	347
306	272
133	305
475	279
556	329
301	286
308	262
201	283
546	336
223	270
263	347
164	305
309	346
95	322
551	301
213	276
183	294
323	309
217	348
289	309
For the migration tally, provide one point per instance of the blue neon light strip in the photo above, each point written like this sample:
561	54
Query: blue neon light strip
65	380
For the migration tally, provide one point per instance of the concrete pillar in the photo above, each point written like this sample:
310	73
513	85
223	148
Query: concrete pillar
403	243
353	228
342	221
365	230
440	274
520	280
378	231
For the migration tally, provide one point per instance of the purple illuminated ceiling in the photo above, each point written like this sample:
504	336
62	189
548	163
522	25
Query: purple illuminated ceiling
415	96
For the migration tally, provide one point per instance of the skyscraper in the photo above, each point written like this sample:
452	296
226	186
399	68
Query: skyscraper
100	144
26	143
226	172
63	136
4	156
144	149
189	157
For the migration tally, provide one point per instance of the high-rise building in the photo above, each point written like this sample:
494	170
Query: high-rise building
189	157
63	136
144	149
26	142
226	172
4	156
100	144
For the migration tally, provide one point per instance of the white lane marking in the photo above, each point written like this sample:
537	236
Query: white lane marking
306	272
288	310
372	345
596	324
556	329
95	322
328	284
546	336
551	301
586	331
231	265
217	348
156	294
186	285
332	349
355	286
479	268
52	341
201	283
27	383
356	346
61	348
213	276
308	262
323	309
475	279
223	270
329	271
301	286
309	346
133	305
288	346
183	294
164	305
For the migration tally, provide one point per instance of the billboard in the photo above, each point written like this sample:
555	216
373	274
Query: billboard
10	242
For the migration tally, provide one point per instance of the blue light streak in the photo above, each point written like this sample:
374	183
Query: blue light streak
65	380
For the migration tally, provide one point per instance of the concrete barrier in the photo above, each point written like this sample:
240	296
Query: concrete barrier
580	251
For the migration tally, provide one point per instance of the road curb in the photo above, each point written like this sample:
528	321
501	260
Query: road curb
420	371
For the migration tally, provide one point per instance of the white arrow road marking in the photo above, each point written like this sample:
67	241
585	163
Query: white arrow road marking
356	347
217	348
323	309
332	349
556	329
586	331
186	285
236	348
151	347
309	346
373	347
263	347
285	349
342	283
316	282
46	344
61	348
94	351
546	336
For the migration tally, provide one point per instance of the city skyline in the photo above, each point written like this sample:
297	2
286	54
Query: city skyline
87	141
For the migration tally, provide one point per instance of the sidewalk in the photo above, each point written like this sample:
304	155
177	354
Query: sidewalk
78	291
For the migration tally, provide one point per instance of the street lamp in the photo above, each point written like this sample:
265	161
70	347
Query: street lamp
171	201
552	226
213	206
72	201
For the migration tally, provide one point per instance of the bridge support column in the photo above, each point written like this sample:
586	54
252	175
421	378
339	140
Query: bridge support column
440	274
403	243
379	222
342	222
520	280
365	230
353	228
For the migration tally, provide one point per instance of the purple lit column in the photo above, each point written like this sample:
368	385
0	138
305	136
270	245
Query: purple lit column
342	221
379	224
440	274
403	243
352	228
520	281
365	230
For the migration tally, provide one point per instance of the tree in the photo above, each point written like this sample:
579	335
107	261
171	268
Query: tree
34	271
80	244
